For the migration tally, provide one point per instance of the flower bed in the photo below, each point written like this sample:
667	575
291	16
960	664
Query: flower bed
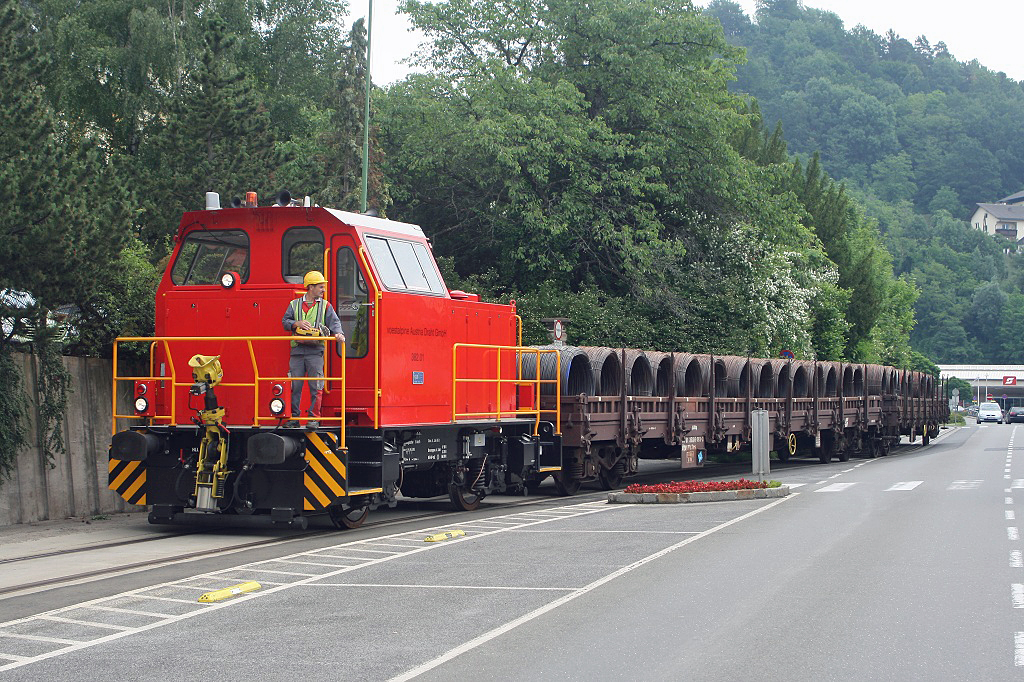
700	486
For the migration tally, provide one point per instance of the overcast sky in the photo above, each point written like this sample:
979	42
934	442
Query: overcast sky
986	30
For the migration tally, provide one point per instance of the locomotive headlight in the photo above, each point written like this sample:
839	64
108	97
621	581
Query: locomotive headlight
277	389
141	388
227	280
276	406
141	404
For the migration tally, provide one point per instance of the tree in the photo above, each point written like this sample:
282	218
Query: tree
64	218
218	138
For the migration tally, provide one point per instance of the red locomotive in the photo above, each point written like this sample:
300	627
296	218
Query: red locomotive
424	397
431	392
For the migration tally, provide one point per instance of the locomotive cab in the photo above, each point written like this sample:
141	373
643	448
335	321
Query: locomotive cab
425	396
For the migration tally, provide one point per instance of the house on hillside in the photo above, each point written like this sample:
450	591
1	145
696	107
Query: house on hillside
1004	218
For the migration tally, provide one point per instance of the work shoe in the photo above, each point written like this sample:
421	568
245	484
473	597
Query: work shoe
291	424
313	425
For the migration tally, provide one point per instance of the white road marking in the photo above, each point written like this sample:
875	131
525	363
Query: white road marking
964	485
1012	533
90	623
511	625
1009	515
793	485
1016	559
1017	483
904	485
628	532
834	488
1008	500
581	509
1017	595
1018	648
447	587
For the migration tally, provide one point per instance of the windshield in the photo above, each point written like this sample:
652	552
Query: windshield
207	254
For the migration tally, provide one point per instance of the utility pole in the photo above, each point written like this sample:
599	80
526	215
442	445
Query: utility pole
366	111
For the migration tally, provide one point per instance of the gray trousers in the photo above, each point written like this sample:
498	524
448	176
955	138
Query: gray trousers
311	365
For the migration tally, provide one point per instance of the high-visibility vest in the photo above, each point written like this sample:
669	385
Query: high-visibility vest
315	314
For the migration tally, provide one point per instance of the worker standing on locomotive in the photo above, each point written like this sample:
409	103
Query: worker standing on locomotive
309	317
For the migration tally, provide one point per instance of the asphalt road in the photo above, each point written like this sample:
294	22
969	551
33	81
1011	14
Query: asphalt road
904	567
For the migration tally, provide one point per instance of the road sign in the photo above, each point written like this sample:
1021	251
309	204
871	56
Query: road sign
955	393
1009	381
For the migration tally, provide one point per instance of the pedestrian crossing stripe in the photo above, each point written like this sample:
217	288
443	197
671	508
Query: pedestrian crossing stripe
905	485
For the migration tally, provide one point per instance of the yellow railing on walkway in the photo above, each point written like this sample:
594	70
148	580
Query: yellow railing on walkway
499	381
172	377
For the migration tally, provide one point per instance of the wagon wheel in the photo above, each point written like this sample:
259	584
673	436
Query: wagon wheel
464	500
611	479
566	486
348	517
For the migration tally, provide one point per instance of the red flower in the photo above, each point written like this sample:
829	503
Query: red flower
697	486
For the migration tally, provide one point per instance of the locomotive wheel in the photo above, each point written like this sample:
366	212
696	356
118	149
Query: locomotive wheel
464	500
611	479
350	517
874	448
565	486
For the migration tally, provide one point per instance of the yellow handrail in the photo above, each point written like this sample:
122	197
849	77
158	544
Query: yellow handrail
498	413
376	336
254	384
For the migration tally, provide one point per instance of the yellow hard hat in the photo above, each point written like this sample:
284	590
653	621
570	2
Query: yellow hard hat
313	277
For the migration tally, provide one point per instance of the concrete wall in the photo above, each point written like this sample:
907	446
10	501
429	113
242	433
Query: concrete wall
76	485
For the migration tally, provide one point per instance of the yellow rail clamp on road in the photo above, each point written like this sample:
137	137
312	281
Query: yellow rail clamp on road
228	592
447	535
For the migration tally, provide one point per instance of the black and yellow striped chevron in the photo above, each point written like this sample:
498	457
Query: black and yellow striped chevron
326	476
128	479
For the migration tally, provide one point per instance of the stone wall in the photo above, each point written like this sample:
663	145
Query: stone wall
76	484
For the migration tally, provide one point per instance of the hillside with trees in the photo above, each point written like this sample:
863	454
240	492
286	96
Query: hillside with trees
918	138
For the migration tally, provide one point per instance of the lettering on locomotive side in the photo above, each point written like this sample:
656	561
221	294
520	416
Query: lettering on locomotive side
418	331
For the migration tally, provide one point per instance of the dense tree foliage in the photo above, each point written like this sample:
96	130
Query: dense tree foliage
918	138
596	151
585	159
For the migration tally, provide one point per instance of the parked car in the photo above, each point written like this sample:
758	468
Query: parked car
1015	414
990	412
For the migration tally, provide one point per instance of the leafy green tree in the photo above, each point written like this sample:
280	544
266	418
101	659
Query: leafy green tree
64	218
218	138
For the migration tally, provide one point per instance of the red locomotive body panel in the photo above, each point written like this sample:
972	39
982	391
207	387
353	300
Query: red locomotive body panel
400	334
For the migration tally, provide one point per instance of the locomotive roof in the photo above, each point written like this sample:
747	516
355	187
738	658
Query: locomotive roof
361	220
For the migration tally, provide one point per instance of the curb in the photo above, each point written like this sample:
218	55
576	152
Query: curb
716	496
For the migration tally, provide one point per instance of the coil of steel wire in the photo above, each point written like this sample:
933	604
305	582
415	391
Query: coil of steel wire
638	371
692	373
607	366
577	373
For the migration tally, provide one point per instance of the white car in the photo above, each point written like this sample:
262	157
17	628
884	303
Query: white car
990	412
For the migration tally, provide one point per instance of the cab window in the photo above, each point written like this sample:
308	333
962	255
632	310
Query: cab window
302	250
404	265
352	304
207	254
